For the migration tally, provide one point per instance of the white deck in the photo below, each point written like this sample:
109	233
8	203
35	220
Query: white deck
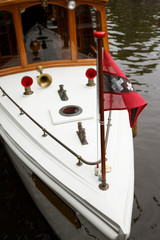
51	159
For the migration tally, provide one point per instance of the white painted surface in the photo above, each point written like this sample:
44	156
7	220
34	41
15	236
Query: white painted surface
78	185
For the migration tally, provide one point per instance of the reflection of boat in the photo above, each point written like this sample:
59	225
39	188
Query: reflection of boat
45	129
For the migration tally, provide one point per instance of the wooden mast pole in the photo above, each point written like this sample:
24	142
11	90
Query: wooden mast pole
100	35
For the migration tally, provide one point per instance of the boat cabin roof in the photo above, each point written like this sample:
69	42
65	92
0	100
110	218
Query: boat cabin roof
48	33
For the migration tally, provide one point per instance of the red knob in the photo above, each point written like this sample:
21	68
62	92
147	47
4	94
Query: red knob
26	81
91	73
99	34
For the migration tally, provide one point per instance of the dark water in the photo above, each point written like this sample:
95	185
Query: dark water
19	217
134	31
134	34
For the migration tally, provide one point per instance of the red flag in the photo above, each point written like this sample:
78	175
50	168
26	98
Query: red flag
119	93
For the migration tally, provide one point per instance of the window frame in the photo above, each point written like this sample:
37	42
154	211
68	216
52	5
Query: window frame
25	66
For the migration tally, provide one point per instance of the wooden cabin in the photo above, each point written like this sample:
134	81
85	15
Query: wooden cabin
50	34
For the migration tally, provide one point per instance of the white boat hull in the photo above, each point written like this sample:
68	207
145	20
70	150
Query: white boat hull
100	214
61	225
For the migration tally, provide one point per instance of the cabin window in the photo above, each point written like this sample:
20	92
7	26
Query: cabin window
9	56
87	22
46	33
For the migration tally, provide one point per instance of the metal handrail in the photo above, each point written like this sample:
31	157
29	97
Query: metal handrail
45	133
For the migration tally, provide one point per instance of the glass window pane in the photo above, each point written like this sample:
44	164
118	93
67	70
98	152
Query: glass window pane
9	56
87	22
46	33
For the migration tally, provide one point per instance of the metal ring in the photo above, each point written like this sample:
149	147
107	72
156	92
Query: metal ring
70	111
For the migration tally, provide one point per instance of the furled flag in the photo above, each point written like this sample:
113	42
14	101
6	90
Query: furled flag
119	93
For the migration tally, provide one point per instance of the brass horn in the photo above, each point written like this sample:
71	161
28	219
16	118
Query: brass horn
44	79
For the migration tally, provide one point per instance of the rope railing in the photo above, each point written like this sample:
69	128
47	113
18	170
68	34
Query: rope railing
46	132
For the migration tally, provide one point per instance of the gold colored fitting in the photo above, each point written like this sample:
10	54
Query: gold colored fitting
27	91
90	82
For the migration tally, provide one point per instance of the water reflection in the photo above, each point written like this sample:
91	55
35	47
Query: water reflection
139	209
134	34
134	37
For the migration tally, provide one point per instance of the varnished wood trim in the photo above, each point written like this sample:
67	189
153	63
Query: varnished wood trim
73	37
100	5
19	69
62	3
102	9
18	30
56	201
90	61
9	2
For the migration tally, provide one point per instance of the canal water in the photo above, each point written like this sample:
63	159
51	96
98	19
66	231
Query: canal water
134	36
134	33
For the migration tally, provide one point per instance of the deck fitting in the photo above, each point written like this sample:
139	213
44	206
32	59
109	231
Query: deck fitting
62	93
103	185
79	163
82	134
44	133
3	93
21	111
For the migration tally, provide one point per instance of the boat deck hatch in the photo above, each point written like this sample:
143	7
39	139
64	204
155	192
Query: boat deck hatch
70	111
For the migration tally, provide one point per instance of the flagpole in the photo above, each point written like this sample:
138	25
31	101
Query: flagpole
100	35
